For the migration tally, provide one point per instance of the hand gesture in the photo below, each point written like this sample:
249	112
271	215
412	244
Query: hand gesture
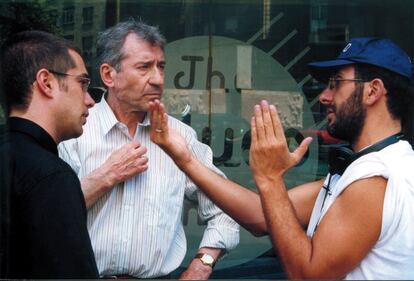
169	140
125	162
269	152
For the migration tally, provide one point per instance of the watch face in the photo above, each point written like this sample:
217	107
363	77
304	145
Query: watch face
207	259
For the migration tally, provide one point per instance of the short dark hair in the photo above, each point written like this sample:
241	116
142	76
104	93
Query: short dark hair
23	55
110	42
399	88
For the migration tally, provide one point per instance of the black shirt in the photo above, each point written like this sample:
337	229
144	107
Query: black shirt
44	232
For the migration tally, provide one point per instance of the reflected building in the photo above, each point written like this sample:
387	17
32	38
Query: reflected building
80	22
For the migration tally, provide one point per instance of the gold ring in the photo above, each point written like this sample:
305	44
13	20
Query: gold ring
158	130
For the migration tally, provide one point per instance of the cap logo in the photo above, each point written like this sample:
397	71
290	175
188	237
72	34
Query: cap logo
346	47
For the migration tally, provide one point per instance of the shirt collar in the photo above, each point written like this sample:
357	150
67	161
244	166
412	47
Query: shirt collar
30	128
108	119
146	121
106	115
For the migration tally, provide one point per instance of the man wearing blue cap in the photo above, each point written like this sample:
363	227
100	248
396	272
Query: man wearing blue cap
360	219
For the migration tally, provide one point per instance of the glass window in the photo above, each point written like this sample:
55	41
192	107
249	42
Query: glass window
87	45
225	56
70	37
87	15
68	15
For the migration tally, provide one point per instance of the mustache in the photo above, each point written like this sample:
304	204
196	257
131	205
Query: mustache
324	108
328	108
154	90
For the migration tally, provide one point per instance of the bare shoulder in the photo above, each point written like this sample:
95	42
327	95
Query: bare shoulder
360	205
369	187
364	196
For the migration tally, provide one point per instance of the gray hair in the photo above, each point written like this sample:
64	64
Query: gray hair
111	41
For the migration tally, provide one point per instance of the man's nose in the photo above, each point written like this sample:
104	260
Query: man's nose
89	101
326	97
157	76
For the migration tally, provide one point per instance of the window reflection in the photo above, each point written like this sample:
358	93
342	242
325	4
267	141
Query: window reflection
225	56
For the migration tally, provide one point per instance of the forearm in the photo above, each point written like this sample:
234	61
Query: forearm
303	199
94	186
289	239
197	270
239	203
214	252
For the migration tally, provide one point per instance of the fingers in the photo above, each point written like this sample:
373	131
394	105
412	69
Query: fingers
133	144
159	123
130	152
267	120
125	162
139	153
155	114
276	124
164	118
135	160
253	131
258	117
140	165
132	161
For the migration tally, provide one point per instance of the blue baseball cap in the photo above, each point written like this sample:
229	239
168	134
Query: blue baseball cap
375	51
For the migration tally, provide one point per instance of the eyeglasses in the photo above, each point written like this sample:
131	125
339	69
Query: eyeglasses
84	81
333	82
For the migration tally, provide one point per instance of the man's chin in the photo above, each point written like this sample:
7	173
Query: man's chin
332	131
78	132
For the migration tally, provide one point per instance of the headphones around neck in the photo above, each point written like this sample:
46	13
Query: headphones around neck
341	156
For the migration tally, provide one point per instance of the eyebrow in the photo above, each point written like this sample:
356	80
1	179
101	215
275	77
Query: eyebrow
149	62
338	75
85	75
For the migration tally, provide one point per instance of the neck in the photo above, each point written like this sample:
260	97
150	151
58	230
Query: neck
40	119
125	114
374	132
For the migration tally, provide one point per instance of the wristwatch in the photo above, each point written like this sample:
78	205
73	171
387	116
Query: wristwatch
206	259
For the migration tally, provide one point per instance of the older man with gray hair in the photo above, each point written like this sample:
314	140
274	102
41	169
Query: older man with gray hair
133	190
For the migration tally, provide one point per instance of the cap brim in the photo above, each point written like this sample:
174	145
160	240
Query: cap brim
322	70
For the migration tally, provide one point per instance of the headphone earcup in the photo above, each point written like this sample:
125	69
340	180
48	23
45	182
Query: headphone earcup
339	158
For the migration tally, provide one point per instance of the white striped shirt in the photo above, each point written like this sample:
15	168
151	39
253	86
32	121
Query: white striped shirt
136	228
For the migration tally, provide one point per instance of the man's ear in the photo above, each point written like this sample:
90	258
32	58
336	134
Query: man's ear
107	73
376	90
45	82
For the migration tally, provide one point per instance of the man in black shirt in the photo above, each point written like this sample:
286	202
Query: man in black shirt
43	229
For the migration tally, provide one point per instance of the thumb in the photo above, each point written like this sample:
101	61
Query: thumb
302	148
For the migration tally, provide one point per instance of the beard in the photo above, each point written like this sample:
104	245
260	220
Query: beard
350	117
